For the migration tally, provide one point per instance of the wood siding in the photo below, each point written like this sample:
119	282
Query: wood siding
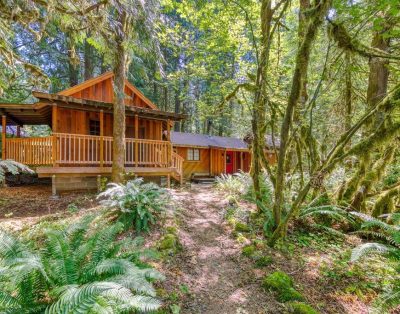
191	167
212	161
73	121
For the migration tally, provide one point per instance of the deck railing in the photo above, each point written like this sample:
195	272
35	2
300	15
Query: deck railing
30	151
88	150
177	162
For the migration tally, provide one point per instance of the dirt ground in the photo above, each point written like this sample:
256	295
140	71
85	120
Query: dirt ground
35	201
219	278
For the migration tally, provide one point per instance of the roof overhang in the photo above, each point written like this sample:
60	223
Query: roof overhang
92	105
26	114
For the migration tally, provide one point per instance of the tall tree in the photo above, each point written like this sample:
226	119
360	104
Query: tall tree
127	26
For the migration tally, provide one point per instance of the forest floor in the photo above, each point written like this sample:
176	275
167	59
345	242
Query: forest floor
210	274
218	277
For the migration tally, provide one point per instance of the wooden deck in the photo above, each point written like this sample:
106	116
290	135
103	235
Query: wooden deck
86	155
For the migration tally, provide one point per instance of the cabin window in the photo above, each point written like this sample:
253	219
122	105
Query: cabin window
193	154
94	127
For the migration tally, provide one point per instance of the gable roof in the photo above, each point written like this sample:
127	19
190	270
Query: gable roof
100	88
204	140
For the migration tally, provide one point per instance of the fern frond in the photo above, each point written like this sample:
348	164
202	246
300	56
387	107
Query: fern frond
368	248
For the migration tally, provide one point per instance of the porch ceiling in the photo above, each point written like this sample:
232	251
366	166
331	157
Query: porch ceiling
26	114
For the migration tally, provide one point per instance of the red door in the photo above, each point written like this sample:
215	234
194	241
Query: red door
229	162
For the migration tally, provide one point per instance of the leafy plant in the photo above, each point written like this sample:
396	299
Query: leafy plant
137	203
390	235
76	271
230	184
13	167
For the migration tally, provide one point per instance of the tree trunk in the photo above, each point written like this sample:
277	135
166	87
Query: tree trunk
73	72
259	108
177	126
302	62
118	168
88	60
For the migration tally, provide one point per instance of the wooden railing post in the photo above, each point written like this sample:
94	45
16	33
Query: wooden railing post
169	150
136	137
101	138
54	128
3	137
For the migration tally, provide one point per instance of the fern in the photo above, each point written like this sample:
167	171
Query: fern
136	203
12	167
389	234
76	271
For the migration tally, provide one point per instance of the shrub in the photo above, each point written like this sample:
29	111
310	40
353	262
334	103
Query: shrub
136	202
282	283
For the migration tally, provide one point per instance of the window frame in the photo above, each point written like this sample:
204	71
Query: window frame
190	154
97	127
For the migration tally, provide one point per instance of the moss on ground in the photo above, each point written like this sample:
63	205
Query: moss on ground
248	250
262	261
241	227
301	308
169	242
282	283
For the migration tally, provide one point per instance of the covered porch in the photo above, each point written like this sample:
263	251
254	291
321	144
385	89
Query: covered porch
148	150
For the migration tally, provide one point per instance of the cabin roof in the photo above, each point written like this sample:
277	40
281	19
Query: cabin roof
96	82
204	140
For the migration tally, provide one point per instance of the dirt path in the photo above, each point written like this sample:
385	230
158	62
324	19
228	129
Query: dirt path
219	278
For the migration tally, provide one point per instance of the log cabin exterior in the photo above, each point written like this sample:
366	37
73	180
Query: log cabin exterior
207	155
80	143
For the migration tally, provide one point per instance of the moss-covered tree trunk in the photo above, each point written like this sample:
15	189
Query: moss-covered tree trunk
369	171
88	60
259	108
119	105
301	67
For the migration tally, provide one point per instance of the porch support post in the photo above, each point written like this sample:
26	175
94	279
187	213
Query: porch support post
225	161
169	151
54	129
3	137
168	181
101	138
211	162
241	161
136	139
18	131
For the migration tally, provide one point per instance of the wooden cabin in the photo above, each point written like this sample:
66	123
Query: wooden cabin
79	148
206	155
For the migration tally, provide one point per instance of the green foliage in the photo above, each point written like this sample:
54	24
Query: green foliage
169	242
282	283
12	167
301	308
248	250
76	270
242	227
390	235
262	260
136	202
